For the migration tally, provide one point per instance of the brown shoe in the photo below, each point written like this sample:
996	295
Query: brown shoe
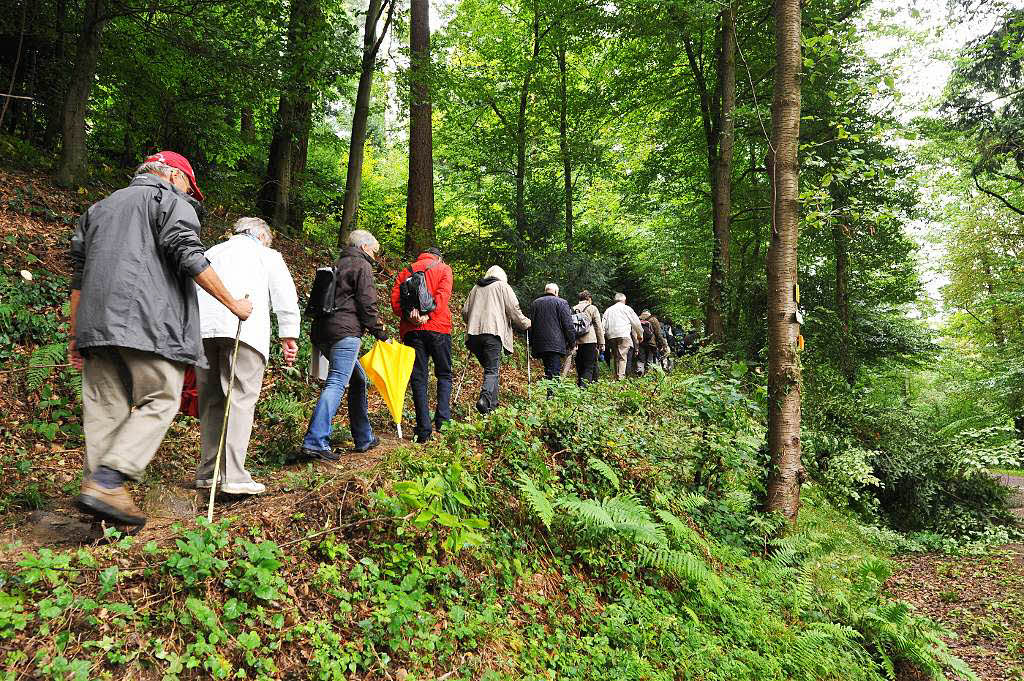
110	504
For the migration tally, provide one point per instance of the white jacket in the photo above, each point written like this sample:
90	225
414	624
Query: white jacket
620	321
248	267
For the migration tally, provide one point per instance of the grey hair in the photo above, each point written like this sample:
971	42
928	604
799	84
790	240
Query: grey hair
620	297
155	168
254	226
551	288
361	237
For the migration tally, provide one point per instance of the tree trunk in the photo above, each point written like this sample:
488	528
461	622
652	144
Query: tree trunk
419	211
72	166
563	133
287	158
786	473
520	199
300	150
721	177
842	247
360	117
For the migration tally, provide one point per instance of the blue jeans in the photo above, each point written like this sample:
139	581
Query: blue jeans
345	370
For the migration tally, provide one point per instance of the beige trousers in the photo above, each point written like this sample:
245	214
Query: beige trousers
129	398
620	357
213	384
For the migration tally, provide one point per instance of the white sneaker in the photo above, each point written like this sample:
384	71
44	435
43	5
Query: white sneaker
243	488
204	484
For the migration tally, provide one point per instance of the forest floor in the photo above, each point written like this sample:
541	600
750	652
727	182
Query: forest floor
978	598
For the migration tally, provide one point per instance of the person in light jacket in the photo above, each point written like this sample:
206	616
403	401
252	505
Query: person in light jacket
621	327
248	266
490	312
135	324
591	344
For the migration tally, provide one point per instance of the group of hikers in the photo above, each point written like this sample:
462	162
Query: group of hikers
138	322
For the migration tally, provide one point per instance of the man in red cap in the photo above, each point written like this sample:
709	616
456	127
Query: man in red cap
135	323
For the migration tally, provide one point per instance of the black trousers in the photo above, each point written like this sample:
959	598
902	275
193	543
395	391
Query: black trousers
436	346
586	363
487	349
552	364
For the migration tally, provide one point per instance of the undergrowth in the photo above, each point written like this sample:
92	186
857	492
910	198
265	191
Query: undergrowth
611	533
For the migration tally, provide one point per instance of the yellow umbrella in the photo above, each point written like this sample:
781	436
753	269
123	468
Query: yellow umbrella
389	366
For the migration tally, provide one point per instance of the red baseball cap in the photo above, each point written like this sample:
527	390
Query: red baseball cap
176	160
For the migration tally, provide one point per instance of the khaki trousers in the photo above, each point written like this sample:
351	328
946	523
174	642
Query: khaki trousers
129	398
620	347
213	384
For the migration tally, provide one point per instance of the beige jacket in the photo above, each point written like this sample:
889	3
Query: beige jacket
492	308
596	333
620	321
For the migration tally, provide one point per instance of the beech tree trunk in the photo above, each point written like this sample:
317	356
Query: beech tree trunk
361	115
419	212
786	473
563	138
274	193
721	178
71	168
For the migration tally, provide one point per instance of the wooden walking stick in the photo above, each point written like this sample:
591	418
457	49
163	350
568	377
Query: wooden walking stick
529	377
224	425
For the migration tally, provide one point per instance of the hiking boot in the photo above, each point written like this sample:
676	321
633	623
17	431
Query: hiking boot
206	483
243	488
369	445
317	455
422	439
110	504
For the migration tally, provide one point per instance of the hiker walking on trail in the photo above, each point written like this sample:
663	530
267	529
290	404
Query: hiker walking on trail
490	312
338	335
420	299
553	333
590	344
621	327
652	344
247	265
135	323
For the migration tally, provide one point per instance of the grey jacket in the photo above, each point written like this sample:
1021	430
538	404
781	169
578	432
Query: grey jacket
492	308
135	254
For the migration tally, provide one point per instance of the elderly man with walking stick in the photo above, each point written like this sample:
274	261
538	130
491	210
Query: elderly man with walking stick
247	265
135	324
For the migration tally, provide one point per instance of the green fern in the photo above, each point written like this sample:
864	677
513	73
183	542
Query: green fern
588	512
605	470
683	565
41	363
536	499
632	519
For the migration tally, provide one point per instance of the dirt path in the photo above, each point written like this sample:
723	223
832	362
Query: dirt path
979	598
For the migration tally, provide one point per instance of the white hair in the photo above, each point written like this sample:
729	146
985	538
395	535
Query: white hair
498	273
361	237
257	227
155	168
551	288
620	297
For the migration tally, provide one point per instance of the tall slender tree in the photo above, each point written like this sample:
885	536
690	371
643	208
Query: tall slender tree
786	473
361	115
419	212
72	166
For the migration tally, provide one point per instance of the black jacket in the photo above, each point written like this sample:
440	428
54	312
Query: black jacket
552	329
356	299
135	254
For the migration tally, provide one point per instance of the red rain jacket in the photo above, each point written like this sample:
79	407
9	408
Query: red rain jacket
439	283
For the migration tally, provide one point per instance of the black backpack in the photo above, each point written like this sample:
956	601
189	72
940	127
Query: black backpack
413	293
581	322
648	328
321	295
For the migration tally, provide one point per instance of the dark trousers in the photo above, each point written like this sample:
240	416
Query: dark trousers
487	349
436	346
586	363
552	364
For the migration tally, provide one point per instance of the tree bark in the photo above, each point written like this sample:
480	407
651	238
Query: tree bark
419	212
520	199
563	138
274	193
361	116
782	492
72	166
721	177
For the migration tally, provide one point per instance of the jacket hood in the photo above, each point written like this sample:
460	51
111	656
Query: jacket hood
151	180
495	272
486	281
357	252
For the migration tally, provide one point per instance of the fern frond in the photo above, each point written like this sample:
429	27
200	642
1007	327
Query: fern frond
536	499
684	565
605	470
634	520
41	363
587	511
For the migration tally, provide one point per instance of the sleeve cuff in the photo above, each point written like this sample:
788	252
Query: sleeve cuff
194	265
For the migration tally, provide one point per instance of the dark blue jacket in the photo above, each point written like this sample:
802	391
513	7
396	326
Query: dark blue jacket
552	329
